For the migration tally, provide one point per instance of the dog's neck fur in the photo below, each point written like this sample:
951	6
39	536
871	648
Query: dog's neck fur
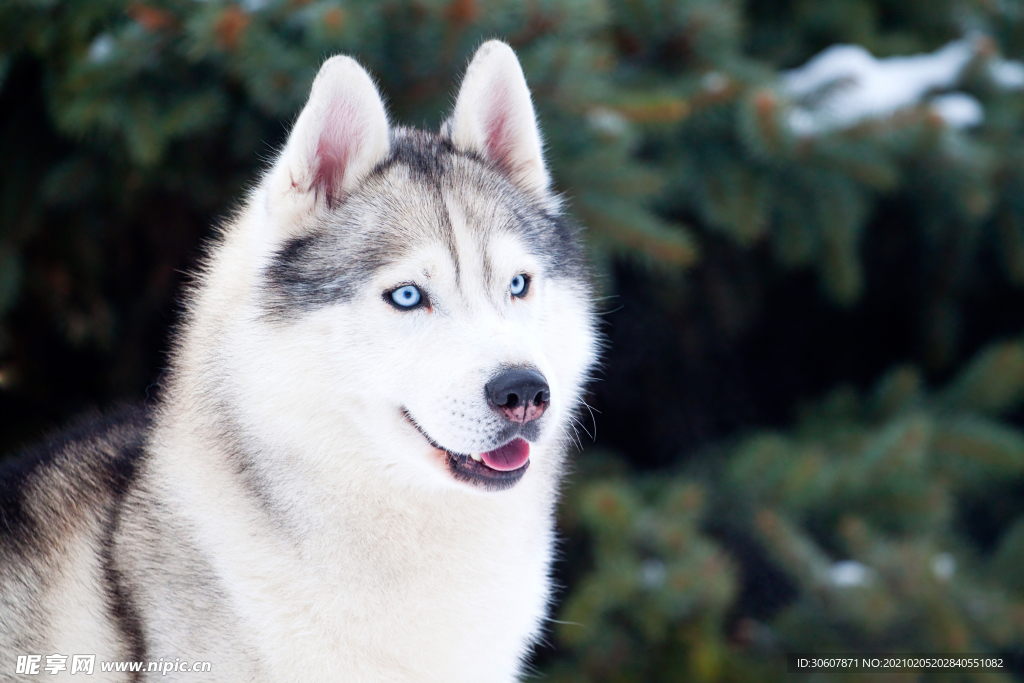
362	562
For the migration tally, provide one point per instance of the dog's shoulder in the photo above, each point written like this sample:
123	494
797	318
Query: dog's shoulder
53	488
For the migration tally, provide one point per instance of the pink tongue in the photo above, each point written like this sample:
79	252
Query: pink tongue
511	456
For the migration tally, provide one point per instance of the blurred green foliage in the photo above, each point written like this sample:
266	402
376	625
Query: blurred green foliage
857	505
127	128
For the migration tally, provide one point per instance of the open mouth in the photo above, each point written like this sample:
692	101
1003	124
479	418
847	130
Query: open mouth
495	470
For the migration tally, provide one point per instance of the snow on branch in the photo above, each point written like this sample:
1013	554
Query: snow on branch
844	85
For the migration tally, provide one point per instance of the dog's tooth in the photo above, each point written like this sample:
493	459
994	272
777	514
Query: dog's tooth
477	457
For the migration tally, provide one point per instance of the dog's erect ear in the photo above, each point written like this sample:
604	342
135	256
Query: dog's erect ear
494	117
341	134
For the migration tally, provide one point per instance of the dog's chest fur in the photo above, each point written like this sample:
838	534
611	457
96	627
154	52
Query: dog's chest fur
387	585
379	583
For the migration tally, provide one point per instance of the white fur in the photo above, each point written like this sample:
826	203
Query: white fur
494	116
343	125
381	566
287	522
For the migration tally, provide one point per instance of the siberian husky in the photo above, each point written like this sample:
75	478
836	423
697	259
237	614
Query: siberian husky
352	469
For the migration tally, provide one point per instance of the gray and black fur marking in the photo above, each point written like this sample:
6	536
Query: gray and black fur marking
77	479
90	490
104	454
366	232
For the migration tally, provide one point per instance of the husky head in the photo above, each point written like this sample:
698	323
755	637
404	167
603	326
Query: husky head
407	301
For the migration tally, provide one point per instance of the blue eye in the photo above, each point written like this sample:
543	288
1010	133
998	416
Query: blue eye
406	297
520	285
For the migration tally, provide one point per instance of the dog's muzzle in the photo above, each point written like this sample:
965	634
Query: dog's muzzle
496	470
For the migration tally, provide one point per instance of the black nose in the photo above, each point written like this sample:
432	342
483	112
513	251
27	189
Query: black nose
520	394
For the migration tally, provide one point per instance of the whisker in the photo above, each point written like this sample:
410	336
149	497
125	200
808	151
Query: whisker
583	427
575	440
591	410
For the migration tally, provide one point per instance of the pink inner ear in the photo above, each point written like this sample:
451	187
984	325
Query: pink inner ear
498	126
337	144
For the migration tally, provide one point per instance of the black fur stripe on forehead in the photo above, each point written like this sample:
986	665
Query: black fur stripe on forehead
331	262
427	156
